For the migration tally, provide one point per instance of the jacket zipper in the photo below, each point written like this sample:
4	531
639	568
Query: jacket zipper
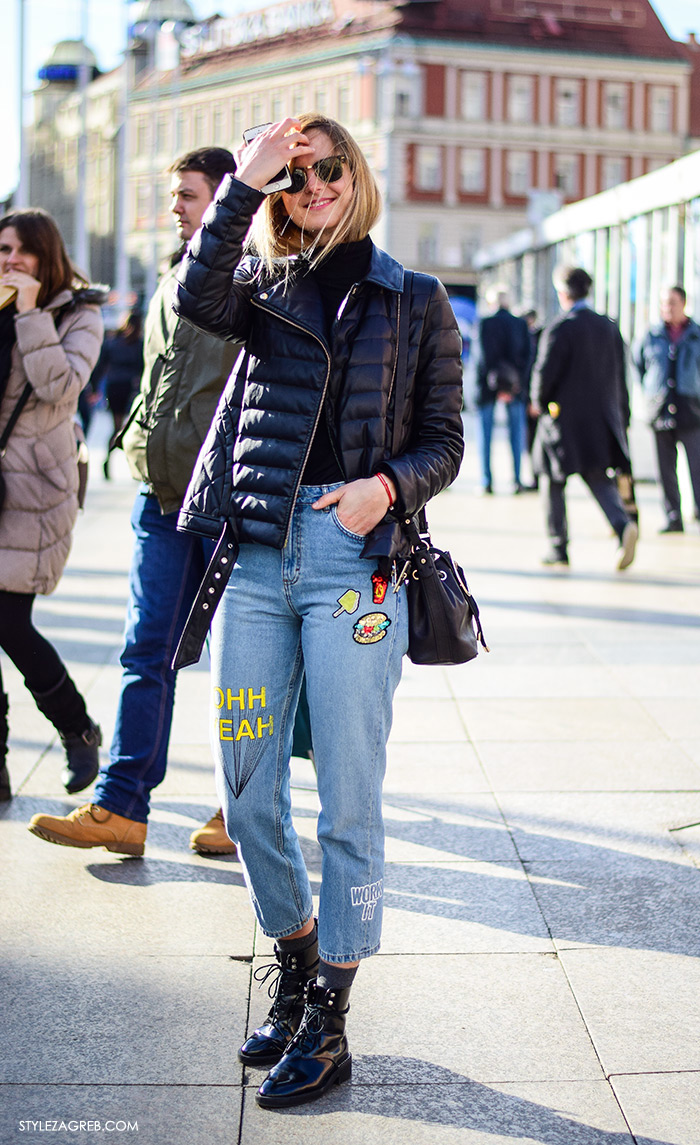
396	357
305	330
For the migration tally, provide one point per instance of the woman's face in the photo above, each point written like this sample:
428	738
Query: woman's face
13	256
320	205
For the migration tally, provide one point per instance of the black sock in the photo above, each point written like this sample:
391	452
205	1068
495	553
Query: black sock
335	976
294	945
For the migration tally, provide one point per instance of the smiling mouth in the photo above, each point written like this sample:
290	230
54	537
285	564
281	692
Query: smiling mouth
317	204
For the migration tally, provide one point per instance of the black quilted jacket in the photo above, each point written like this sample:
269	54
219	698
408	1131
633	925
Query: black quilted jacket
252	460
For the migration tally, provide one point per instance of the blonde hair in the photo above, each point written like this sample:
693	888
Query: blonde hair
274	236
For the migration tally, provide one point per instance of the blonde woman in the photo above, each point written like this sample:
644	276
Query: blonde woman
299	465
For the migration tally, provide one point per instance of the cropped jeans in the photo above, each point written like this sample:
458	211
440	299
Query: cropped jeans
314	606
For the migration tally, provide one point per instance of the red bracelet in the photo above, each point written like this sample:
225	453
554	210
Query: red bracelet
385	483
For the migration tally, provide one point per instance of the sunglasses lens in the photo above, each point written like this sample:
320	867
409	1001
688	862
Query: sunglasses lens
328	170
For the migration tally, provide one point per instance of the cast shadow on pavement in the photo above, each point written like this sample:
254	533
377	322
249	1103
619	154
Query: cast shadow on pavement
443	1097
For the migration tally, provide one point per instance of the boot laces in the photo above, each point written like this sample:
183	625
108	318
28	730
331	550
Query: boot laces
273	970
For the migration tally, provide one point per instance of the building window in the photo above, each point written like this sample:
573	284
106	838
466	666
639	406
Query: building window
566	175
614	171
298	101
143	205
277	107
428	168
615	106
472	172
518	173
321	100
470	244
219	127
474	97
520	91
402	104
237	124
200	128
661	109
344	103
567	103
141	136
257	115
161	135
428	246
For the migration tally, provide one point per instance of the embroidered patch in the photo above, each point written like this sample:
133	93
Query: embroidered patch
371	628
367	897
379	586
246	733
349	602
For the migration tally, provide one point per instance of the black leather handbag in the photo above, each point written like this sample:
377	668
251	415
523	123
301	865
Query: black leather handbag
444	626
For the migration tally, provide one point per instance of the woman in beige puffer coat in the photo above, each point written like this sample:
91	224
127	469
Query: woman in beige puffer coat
50	339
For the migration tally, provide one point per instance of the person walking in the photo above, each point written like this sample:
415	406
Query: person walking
579	395
503	372
298	466
184	374
120	368
50	338
668	360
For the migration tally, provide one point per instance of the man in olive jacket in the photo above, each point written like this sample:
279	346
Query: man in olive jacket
579	394
184	374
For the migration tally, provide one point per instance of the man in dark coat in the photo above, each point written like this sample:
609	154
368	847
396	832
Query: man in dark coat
580	396
502	376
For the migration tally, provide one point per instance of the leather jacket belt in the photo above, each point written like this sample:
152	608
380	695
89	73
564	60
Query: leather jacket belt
211	590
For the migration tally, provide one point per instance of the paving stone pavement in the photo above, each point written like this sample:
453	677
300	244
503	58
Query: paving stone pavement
539	979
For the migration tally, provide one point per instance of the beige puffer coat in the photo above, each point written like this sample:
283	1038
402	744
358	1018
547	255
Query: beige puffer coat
40	464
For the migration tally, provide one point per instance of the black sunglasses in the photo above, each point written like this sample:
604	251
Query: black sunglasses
328	170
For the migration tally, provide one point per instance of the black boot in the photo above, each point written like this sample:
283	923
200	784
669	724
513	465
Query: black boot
317	1056
266	1045
5	792
65	708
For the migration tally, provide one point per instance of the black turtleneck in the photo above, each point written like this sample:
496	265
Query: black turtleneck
335	275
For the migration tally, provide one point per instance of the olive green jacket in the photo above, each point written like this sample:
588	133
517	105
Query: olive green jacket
183	376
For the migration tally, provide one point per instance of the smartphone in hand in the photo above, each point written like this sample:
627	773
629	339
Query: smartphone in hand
283	179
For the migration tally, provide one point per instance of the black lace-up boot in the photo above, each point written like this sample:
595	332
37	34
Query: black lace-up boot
317	1056
65	708
5	792
293	970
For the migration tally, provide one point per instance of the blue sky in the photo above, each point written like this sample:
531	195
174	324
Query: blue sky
48	21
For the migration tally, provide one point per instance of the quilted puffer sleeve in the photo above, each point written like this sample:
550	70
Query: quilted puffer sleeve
433	453
214	282
59	366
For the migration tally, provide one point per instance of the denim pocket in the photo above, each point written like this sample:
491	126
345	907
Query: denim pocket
346	532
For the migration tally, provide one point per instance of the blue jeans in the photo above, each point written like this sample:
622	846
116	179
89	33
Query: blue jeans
311	607
166	570
515	412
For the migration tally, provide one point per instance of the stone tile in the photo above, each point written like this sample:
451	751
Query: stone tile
431	721
597	826
541	719
425	829
460	908
677	718
676	682
172	902
158	1115
641	1007
122	1020
665	1107
420	681
510	1017
599	765
628	902
505	681
418	768
454	1110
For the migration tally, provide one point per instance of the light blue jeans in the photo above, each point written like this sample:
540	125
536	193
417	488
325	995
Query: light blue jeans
312	606
515	416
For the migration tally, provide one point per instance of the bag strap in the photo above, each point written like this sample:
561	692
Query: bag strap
401	384
14	416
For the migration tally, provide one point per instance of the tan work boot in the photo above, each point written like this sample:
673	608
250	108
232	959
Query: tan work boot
211	839
92	826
